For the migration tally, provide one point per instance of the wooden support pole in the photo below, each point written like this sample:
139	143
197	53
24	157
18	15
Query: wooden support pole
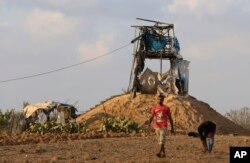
161	64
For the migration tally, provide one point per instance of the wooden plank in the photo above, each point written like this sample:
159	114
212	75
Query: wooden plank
153	21
157	27
158	55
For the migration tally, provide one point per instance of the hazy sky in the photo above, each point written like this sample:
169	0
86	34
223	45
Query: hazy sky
37	36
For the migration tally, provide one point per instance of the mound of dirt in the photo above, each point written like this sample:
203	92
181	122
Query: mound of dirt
187	113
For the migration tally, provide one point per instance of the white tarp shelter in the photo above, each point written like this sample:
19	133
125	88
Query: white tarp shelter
30	109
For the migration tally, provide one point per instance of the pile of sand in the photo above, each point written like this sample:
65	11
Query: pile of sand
187	112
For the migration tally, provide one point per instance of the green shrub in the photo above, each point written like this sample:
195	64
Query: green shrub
5	118
53	127
119	125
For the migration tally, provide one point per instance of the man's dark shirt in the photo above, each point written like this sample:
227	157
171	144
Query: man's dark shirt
205	128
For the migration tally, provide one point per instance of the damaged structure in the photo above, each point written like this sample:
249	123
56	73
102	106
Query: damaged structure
49	106
159	42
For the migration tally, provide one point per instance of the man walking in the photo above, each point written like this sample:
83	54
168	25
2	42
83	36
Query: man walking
161	113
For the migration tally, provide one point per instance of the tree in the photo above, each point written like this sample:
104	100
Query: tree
240	116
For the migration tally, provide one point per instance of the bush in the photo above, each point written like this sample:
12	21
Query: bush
119	125
240	116
53	127
5	118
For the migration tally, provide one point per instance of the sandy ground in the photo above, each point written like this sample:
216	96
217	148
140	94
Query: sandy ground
180	149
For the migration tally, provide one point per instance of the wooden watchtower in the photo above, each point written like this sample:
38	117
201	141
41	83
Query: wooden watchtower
157	41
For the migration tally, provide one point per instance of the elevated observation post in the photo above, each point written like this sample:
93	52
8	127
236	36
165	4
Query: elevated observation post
157	41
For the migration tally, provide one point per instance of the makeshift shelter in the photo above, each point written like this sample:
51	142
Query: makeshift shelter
47	106
31	109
